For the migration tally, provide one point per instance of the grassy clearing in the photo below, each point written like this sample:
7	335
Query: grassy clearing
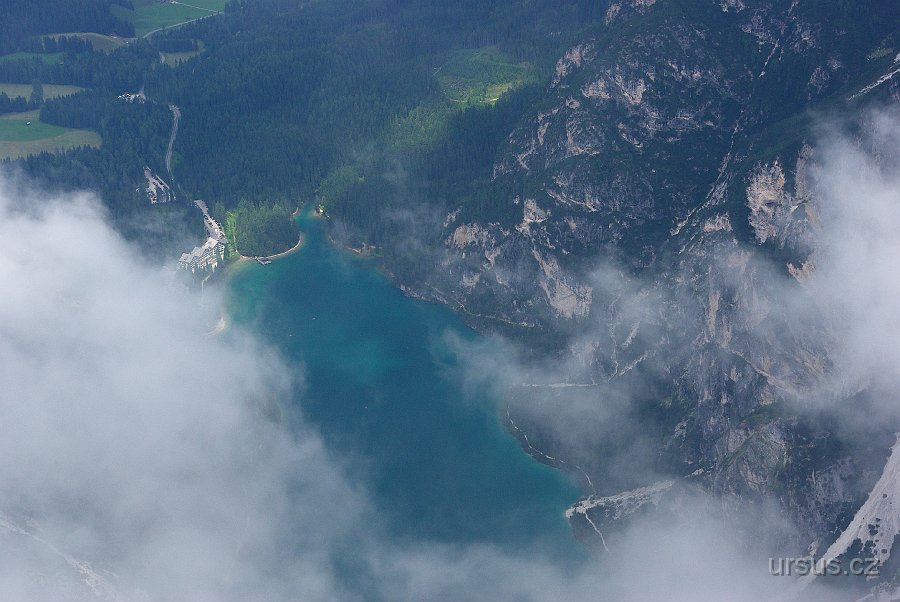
469	78
173	59
18	139
100	42
150	15
50	90
50	58
14	127
480	76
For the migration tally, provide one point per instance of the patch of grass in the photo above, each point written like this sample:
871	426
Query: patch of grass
173	59
18	139
469	78
100	42
480	76
49	58
50	90
150	15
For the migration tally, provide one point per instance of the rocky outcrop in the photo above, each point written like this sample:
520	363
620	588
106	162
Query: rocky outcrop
772	204
599	512
673	145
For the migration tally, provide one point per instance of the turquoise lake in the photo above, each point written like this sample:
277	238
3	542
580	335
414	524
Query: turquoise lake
379	385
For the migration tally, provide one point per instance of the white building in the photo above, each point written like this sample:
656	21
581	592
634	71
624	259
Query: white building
205	257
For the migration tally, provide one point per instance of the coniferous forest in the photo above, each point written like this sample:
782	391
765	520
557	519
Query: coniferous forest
22	21
261	229
284	98
379	109
676	215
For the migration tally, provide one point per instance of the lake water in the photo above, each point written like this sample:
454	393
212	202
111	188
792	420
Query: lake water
379	385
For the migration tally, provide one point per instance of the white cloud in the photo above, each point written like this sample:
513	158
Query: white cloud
837	329
136	441
142	458
858	233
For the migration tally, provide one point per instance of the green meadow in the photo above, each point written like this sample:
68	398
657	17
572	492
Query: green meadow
468	78
150	15
50	58
173	59
480	76
18	139
50	90
100	42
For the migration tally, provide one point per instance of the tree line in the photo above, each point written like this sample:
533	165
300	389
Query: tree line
122	70
261	229
284	94
70	44
23	20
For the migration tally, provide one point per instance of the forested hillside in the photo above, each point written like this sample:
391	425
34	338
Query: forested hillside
134	136
332	83
278	97
260	229
22	20
627	187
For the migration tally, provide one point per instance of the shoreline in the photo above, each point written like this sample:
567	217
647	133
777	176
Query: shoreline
295	248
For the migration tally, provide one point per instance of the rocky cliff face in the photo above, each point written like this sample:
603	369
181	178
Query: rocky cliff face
675	143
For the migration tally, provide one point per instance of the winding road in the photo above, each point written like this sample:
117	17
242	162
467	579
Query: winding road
176	117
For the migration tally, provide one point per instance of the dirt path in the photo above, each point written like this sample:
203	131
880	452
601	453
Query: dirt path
158	29
209	10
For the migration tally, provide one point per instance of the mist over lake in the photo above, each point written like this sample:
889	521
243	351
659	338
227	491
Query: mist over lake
380	384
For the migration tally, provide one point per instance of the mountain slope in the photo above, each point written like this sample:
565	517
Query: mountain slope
652	227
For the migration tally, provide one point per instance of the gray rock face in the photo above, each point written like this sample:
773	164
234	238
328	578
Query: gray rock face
675	144
157	189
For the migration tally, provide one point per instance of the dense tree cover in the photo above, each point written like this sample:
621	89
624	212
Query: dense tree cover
173	44
377	206
16	104
285	93
24	19
300	101
260	229
134	135
146	126
348	99
50	44
120	71
315	86
117	180
455	170
37	93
